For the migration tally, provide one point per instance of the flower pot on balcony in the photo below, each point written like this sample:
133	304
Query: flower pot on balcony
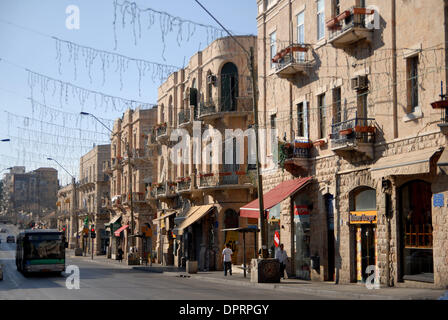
225	174
303	145
241	173
365	129
346	132
442	104
363	11
319	143
344	15
332	23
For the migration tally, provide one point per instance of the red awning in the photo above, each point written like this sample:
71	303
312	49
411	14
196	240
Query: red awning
273	197
117	233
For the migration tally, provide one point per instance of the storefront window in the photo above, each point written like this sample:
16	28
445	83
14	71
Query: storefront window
273	226
302	237
416	229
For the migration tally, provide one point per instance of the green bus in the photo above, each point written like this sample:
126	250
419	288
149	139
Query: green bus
40	251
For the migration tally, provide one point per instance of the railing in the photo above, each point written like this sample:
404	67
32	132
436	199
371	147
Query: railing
294	54
184	116
240	104
165	189
184	185
207	180
359	129
161	131
223	179
351	18
298	150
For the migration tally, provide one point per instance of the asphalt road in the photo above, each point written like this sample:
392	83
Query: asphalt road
109	282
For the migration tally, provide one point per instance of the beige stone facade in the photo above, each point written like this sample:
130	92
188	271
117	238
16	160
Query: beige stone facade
93	190
360	93
133	130
200	197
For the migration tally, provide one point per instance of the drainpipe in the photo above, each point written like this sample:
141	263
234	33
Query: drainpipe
394	69
337	243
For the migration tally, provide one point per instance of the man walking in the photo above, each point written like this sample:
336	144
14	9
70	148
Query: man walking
282	257
227	259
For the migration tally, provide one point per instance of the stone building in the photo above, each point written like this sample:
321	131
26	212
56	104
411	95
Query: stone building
94	189
200	195
138	165
65	215
349	87
33	191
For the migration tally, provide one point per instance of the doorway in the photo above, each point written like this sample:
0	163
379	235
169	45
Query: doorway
416	232
367	252
328	198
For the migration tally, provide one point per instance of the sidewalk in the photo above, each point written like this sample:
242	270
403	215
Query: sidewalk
325	289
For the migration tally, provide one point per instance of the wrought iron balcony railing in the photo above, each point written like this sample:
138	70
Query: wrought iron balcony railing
357	129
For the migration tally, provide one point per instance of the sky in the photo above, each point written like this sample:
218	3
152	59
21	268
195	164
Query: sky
50	71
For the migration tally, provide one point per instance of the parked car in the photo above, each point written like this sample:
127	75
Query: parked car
10	239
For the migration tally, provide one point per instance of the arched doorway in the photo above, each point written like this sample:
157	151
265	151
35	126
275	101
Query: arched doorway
363	221
416	231
229	87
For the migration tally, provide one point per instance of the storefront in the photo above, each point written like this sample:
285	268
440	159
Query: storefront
363	224
302	236
416	231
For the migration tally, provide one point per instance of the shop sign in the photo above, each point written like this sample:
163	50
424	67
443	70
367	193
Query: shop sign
438	200
301	210
363	217
276	239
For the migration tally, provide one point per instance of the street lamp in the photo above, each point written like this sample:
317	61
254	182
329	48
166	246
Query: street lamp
74	201
128	150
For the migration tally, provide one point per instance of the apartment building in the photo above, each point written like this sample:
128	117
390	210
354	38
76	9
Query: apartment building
67	216
93	190
132	168
353	89
201	186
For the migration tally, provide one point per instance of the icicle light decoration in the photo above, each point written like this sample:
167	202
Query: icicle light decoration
37	81
182	28
158	72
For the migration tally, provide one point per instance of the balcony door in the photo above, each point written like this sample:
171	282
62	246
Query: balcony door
229	87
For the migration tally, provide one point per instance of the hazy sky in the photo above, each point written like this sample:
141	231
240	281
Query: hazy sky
27	48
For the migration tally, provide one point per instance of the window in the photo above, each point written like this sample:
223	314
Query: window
273	121
273	46
273	132
270	3
337	118
322	116
412	83
320	19
301	33
336	8
362	104
300	120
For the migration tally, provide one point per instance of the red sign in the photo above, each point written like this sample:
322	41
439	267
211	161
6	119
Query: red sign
276	238
301	210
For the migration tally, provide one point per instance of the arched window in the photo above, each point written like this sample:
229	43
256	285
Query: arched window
209	93
363	199
162	114
170	111
229	87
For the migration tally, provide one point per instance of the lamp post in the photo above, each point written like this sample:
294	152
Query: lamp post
128	150
74	222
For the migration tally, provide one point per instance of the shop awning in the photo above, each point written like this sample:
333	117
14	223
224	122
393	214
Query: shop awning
416	162
165	216
195	213
117	233
273	197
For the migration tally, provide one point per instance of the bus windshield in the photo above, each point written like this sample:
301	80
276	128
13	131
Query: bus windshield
44	247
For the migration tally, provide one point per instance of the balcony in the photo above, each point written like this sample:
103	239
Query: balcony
442	105
354	135
239	107
165	190
186	184
297	155
184	118
107	167
293	60
225	180
162	133
350	27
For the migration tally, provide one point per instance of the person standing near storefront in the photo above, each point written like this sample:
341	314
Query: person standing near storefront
282	257
227	259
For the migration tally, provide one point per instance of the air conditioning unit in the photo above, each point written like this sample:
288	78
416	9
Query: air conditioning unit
360	82
211	79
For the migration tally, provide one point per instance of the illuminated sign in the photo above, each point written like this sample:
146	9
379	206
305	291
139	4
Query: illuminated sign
363	217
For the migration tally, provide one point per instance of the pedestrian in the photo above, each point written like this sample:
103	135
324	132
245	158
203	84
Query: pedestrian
227	259
282	257
120	255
